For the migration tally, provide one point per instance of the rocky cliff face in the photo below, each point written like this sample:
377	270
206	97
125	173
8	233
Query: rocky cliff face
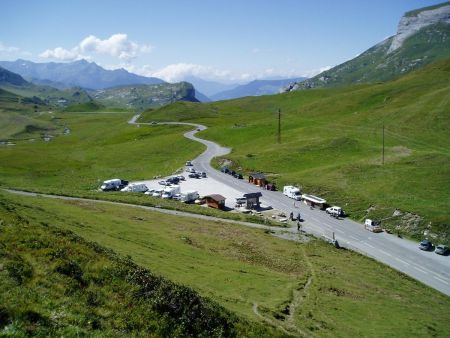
412	23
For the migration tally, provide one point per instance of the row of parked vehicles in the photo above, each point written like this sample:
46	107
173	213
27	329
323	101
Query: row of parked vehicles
233	173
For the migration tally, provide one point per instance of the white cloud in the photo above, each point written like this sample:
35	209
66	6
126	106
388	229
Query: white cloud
117	45
8	49
62	54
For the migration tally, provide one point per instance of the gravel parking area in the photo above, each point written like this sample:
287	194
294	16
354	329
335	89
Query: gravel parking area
204	186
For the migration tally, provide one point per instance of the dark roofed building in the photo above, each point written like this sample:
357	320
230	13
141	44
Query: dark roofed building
257	179
215	201
252	200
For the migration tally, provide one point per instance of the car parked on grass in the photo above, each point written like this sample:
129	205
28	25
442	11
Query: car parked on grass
442	250
425	245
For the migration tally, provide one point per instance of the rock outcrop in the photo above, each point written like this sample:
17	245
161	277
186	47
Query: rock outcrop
410	24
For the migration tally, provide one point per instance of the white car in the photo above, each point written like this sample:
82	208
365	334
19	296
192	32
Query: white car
334	211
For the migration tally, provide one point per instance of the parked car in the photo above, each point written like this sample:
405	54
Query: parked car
425	245
238	175
225	170
194	175
177	197
163	183
181	177
157	192
335	211
442	250
190	170
203	174
173	180
188	163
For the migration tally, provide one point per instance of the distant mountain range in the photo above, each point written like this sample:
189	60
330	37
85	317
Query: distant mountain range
138	97
81	73
209	88
256	88
423	36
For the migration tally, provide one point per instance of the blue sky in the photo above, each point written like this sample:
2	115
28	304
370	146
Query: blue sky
221	40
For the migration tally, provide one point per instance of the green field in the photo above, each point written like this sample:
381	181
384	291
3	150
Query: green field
299	288
100	146
331	144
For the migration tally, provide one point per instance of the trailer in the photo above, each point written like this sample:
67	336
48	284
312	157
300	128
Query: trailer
292	192
171	191
314	201
189	196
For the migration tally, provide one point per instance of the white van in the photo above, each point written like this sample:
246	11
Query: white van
335	211
372	226
135	187
292	192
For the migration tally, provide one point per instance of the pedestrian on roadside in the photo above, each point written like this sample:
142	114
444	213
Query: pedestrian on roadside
291	216
298	225
298	217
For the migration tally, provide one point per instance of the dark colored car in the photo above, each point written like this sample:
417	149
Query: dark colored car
232	172
173	180
425	245
225	170
203	174
442	250
194	175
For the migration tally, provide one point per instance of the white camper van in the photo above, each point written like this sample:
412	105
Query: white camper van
292	192
189	196
135	187
372	225
171	191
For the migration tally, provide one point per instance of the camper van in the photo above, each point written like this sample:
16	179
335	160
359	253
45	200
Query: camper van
114	184
292	192
189	196
171	191
135	187
372	226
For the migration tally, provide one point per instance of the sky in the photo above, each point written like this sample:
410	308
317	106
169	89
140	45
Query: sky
225	41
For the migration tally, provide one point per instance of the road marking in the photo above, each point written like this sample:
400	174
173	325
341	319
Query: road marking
401	260
386	253
369	245
419	269
340	231
439	279
353	237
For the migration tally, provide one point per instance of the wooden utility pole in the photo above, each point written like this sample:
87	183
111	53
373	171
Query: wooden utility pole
383	147
279	126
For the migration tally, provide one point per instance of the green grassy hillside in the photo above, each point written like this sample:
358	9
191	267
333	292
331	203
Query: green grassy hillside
23	117
429	44
332	144
99	147
55	283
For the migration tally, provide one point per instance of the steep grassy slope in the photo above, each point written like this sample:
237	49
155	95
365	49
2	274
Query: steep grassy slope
302	288
385	62
55	283
332	144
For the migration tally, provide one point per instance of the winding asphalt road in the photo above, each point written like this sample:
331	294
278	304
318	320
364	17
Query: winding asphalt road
401	254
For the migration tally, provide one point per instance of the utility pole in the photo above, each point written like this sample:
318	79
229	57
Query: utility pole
279	126
383	147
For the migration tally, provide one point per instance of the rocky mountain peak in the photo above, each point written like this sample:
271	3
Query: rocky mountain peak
412	22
